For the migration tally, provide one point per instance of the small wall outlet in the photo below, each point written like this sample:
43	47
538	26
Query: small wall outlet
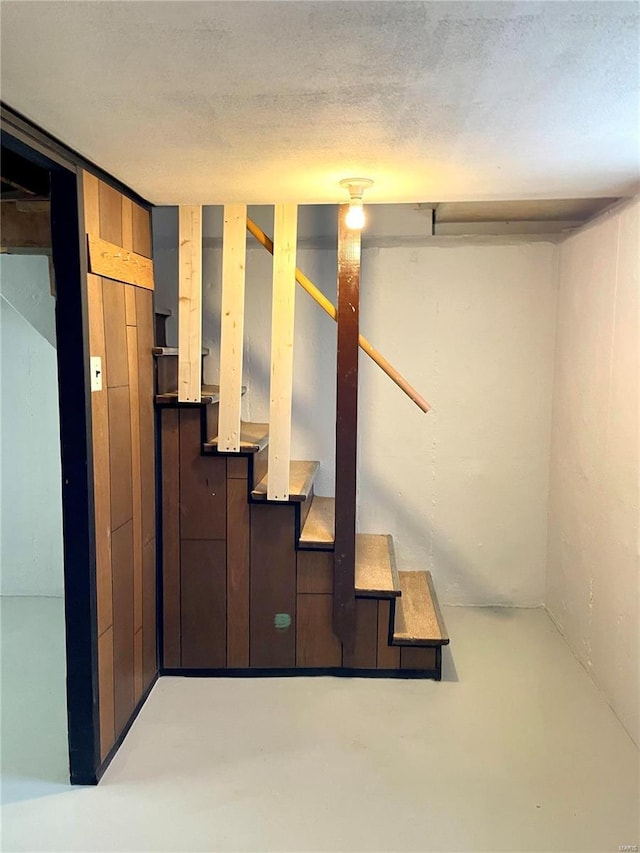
96	373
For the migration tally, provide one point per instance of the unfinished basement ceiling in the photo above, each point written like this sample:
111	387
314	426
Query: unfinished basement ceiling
213	102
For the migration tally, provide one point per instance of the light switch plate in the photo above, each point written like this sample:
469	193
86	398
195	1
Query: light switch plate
96	373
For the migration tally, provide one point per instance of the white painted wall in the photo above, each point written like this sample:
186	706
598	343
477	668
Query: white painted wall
471	324
31	499
593	565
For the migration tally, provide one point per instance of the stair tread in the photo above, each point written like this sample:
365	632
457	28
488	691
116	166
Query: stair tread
376	573
209	394
301	476
173	350
418	620
254	437
319	528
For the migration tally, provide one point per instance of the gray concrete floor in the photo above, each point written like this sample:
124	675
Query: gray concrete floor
515	750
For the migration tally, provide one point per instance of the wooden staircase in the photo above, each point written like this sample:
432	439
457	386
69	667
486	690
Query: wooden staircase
248	583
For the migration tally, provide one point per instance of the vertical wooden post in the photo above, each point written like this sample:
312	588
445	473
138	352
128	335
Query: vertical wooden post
190	303
344	601
282	322
234	249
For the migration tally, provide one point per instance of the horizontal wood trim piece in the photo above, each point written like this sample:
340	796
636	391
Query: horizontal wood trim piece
112	261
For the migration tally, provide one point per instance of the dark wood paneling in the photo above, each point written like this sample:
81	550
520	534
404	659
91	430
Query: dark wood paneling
237	467
316	644
238	538
315	572
203	484
415	657
170	448
123	645
149	633
365	651
273	586
141	231
137	665
144	315
110	214
344	604
120	457
105	687
115	329
388	656
203	584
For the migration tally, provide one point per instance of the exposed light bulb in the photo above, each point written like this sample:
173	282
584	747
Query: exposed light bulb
355	216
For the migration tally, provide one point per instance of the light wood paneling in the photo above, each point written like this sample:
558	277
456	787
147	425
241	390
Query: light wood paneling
120	457
282	327
189	303
149	604
136	484
100	451
203	484
315	572
171	537
91	203
234	245
110	214
203	597
273	586
115	328
238	542
112	261
127	224
130	305
123	634
141	230
137	665
365	651
316	644
388	656
105	691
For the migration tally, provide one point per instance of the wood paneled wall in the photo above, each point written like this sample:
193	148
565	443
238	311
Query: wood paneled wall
121	323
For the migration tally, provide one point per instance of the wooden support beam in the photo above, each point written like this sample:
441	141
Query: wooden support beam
282	322
111	261
189	303
344	601
234	250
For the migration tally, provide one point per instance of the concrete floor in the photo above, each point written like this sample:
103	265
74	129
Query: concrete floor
515	750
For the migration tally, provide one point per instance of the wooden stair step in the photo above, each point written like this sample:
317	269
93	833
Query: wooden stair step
376	573
418	620
301	477
209	394
318	532
254	437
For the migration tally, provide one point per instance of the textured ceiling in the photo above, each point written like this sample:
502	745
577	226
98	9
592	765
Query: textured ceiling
270	101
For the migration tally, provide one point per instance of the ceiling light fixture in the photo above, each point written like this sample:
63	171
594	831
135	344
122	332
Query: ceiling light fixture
355	187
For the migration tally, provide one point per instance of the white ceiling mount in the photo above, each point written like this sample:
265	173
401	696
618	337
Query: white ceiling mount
355	188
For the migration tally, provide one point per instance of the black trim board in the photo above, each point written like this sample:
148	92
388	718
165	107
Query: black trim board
292	672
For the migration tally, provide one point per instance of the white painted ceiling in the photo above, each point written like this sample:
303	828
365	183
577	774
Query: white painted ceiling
210	102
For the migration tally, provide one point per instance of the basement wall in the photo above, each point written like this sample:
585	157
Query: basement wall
471	324
593	574
31	509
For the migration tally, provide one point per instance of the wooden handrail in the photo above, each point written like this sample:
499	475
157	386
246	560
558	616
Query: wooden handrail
330	309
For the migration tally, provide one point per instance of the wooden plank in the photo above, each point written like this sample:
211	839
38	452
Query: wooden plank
315	572
136	483
144	315
203	484
91	203
127	223
319	528
189	303
234	246
282	332
120	457
301	475
237	469
418	620
100	453
137	665
123	633
110	214
376	573
170	450
388	656
116	369
149	610
316	644
203	603
238	547
112	261
130	304
141	230
105	691
273	586
417	657
365	649
344	609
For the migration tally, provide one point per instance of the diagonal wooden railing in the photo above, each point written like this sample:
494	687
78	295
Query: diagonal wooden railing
330	309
